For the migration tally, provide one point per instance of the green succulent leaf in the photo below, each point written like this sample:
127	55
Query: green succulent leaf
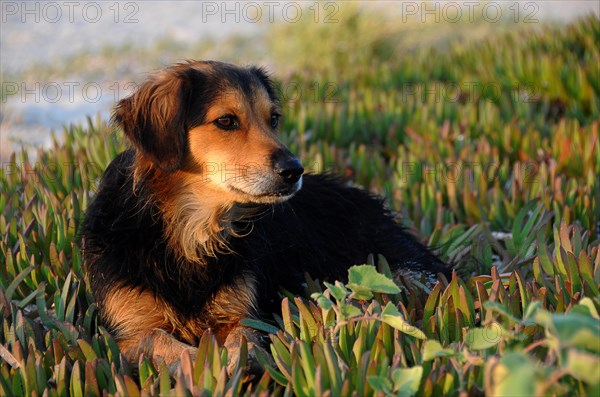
363	280
392	317
433	349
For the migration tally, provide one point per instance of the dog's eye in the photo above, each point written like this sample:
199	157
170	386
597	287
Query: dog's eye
227	122
275	120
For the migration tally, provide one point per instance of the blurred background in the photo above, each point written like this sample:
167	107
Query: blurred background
64	61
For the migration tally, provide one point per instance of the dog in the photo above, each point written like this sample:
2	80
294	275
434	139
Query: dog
201	222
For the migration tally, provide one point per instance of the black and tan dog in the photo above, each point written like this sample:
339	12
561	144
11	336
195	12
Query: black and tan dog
208	215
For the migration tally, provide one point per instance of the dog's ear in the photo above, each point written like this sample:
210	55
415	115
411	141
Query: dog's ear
154	119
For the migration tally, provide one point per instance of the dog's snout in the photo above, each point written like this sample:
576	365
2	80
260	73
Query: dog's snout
292	171
287	166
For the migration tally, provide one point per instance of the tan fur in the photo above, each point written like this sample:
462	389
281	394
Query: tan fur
136	312
197	225
230	302
147	325
157	344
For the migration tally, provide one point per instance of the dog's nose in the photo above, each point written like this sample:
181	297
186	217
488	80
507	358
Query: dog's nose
288	167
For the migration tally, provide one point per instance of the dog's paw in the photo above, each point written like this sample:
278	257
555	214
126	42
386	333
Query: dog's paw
186	359
241	342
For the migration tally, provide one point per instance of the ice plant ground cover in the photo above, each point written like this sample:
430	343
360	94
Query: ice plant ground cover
501	181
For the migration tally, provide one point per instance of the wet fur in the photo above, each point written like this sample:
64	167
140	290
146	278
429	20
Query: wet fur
170	251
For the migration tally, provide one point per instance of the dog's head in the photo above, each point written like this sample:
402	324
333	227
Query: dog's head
216	123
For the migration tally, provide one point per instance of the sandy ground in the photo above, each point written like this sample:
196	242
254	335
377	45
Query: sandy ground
45	32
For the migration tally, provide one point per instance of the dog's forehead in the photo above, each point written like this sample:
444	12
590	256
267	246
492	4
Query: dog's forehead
235	86
226	75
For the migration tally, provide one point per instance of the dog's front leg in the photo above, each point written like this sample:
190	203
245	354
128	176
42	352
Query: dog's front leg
158	345
255	344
